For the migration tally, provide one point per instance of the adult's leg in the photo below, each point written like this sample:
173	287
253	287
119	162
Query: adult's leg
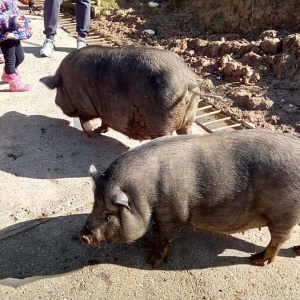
51	12
83	17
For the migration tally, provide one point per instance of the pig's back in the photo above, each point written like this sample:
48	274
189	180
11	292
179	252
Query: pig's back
215	165
253	146
222	183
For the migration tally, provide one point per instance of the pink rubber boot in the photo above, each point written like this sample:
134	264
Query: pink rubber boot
5	77
15	84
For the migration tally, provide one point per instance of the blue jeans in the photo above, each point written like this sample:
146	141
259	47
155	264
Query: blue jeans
51	12
13	55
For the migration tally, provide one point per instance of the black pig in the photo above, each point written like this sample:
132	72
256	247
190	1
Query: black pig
220	183
142	92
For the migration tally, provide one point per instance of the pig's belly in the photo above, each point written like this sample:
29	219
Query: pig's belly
227	227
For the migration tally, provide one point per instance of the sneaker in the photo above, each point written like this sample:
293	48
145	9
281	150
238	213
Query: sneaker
2	61
81	42
47	48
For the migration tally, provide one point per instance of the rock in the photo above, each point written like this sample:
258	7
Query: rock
213	48
236	72
270	45
251	58
268	34
291	43
248	101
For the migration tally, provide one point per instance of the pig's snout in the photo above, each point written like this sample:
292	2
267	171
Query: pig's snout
86	236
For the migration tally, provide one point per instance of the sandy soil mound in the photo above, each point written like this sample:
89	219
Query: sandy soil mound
248	15
257	69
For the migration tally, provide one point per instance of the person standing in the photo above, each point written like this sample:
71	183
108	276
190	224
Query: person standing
14	27
51	14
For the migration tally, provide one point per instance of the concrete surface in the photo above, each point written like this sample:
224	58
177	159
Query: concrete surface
46	194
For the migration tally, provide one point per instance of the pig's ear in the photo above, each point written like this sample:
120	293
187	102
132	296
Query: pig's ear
51	81
94	173
120	198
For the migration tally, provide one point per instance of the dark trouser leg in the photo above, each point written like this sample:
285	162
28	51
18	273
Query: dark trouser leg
13	54
19	54
83	17
51	12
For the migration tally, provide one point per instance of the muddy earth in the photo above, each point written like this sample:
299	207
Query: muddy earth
245	51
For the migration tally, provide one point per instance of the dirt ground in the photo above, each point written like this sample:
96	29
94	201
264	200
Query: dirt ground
247	51
46	193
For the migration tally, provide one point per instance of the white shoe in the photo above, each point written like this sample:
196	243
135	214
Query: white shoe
81	42
47	48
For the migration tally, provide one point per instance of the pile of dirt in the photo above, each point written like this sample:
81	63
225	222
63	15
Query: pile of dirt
237	16
258	71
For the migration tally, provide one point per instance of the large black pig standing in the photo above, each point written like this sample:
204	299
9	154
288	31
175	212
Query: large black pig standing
220	183
141	92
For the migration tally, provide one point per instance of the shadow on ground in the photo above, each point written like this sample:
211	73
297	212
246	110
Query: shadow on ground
36	50
52	248
37	146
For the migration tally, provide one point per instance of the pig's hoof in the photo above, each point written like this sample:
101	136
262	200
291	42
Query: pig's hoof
101	129
155	261
258	259
297	249
159	257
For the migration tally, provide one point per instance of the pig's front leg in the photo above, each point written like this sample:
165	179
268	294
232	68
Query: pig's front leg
297	249
160	255
167	233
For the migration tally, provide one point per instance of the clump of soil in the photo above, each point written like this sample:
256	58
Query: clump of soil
257	69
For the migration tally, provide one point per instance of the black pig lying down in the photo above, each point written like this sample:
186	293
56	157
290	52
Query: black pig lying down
142	92
220	183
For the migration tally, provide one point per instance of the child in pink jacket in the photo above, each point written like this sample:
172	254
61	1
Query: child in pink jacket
14	27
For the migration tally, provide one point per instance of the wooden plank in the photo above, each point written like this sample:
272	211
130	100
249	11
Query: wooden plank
225	127
204	127
67	24
248	125
94	39
204	107
215	121
209	114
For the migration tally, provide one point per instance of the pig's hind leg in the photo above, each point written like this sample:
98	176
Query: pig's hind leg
278	237
297	248
190	115
102	128
160	135
185	130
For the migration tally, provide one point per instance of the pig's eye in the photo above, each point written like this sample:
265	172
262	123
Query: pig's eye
109	215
